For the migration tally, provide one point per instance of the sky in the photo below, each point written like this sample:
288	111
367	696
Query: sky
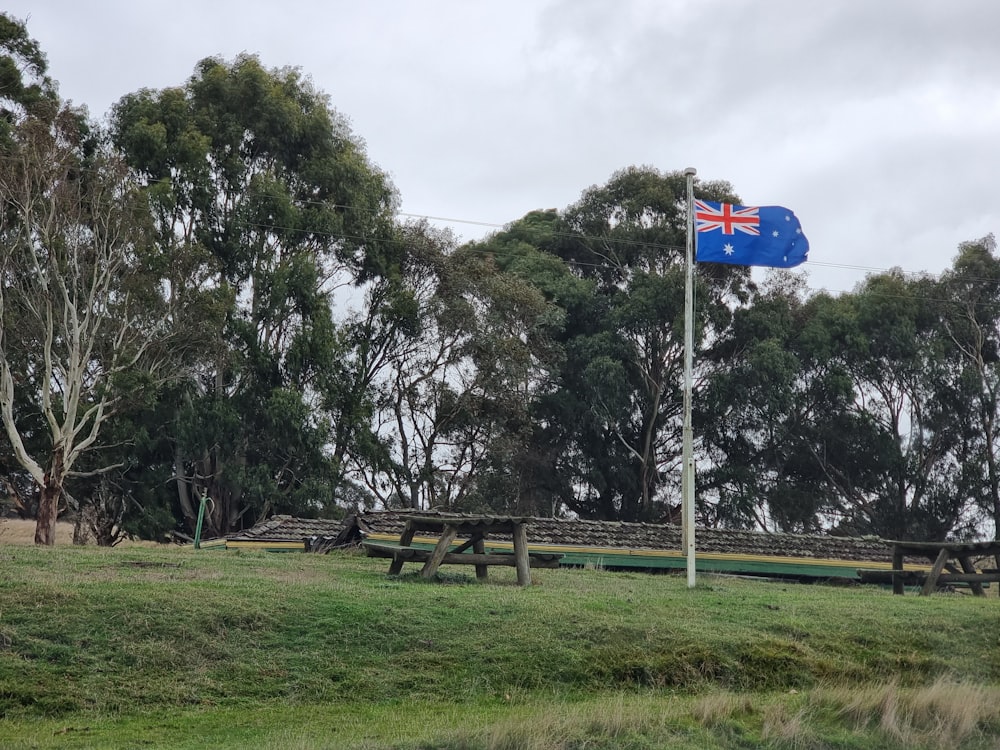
876	121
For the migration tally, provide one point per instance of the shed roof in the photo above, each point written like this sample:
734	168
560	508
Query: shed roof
591	534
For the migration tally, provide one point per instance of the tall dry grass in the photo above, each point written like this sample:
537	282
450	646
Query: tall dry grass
18	531
945	714
21	532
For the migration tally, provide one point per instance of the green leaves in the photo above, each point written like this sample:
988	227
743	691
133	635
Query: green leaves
264	203
855	411
25	87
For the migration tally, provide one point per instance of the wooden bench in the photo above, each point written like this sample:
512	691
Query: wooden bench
942	553
921	577
476	529
415	554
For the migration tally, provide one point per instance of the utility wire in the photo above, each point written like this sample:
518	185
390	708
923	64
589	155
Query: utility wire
592	238
579	236
584	264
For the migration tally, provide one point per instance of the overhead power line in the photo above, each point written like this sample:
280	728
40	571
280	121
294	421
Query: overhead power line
568	235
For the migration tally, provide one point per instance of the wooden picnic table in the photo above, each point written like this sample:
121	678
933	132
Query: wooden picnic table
475	530
943	570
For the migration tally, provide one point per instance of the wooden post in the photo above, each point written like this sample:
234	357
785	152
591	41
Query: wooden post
932	578
521	555
405	539
968	567
897	564
448	535
479	547
468	543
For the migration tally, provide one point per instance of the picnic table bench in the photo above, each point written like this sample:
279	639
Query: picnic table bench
944	570
476	529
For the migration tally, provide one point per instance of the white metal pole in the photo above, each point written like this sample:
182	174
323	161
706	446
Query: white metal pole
687	454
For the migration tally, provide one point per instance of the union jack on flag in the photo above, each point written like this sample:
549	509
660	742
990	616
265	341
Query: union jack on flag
748	235
728	218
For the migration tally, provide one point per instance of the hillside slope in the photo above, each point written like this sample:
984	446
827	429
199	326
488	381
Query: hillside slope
131	640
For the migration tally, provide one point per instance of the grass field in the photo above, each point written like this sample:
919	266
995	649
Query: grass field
172	648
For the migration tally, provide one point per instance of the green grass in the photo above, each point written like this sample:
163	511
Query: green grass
176	648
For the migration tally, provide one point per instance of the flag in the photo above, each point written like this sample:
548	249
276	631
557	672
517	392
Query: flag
748	235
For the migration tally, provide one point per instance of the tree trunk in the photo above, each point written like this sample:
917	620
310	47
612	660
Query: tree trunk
994	480
183	490
48	510
83	528
48	502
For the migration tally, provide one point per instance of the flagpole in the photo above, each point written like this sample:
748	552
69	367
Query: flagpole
687	453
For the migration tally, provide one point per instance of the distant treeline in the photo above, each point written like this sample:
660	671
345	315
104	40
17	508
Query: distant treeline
211	299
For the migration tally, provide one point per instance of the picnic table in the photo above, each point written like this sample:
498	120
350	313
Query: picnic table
944	570
475	530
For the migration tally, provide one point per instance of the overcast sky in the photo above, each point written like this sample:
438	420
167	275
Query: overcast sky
876	121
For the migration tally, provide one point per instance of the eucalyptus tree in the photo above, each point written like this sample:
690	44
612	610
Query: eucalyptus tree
618	393
458	352
841	413
25	85
905	389
265	207
598	431
790	444
387	336
970	311
527	468
758	410
77	305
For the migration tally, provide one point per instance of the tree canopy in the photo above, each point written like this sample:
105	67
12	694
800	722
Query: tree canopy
264	206
25	86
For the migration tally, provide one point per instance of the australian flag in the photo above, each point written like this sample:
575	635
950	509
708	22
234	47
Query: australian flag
748	235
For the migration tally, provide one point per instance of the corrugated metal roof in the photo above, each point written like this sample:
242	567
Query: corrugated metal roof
593	534
282	528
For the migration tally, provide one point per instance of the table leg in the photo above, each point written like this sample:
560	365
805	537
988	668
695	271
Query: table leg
405	540
448	535
932	578
521	555
479	547
968	567
897	564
